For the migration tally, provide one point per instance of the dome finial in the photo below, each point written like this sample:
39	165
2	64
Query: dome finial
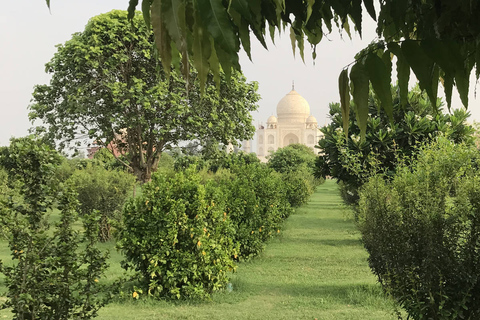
293	85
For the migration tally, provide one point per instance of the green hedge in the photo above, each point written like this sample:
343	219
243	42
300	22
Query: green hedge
422	232
177	237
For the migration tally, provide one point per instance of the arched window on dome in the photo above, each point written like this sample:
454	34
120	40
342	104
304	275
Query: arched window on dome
310	139
271	139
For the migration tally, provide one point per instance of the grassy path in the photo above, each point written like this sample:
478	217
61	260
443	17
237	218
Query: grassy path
316	269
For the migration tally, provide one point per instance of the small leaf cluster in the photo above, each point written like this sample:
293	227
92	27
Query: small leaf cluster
352	159
54	274
422	231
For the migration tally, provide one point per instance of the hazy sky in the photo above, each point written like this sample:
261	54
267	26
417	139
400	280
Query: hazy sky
29	33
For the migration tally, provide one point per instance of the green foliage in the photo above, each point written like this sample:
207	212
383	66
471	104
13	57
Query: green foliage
55	276
230	160
292	158
422	232
296	163
108	85
105	158
104	191
353	160
178	237
221	160
182	162
418	33
299	186
256	202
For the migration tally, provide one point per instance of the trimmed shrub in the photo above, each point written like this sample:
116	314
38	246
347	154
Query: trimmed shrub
422	232
103	190
299	186
256	203
296	163
292	158
177	236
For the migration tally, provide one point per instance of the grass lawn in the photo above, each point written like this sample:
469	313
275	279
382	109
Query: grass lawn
315	269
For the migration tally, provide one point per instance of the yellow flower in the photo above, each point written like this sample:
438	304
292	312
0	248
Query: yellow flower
224	214
260	230
96	280
146	202
203	252
278	231
21	251
253	232
191	236
135	295
199	243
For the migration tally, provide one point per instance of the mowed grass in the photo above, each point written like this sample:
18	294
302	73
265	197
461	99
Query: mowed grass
315	269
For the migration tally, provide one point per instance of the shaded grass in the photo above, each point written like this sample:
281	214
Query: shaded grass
315	268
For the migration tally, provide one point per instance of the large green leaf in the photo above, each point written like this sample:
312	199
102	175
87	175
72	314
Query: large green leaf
403	72
344	99
173	16
132	4
241	6
146	12
422	66
202	49
356	14
162	39
380	78
243	30
214	65
462	81
370	8
360	87
215	17
448	87
309	9
293	40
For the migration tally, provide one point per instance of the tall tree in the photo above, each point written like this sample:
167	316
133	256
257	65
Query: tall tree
439	40
108	86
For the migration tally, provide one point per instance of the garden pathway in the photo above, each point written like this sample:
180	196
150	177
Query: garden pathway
316	269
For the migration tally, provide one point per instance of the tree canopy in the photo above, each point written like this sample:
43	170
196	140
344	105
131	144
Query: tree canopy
108	85
437	39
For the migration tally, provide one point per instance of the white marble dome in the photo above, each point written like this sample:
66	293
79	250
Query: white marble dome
272	119
293	108
311	119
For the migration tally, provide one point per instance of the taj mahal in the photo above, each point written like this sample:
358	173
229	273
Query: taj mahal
293	124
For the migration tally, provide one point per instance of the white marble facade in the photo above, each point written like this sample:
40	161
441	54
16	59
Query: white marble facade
293	124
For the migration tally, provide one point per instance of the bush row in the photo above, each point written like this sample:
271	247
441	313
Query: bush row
422	232
187	229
